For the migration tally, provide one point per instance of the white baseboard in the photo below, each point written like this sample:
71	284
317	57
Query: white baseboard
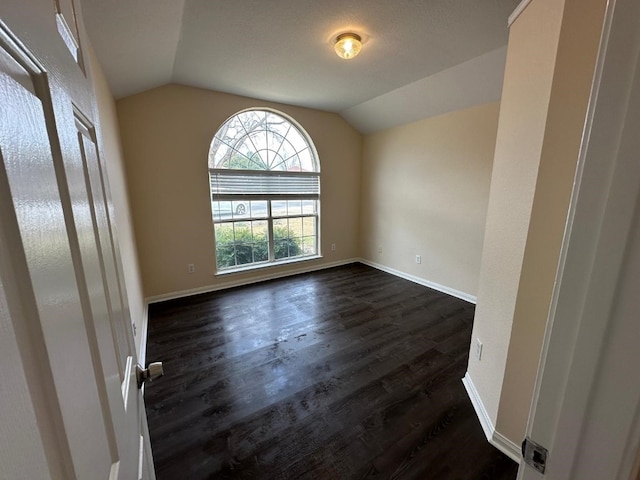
481	412
495	438
306	268
421	281
506	446
244	281
271	276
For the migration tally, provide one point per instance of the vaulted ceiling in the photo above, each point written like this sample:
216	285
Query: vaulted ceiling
419	58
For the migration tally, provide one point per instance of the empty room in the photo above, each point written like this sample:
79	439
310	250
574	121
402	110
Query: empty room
319	240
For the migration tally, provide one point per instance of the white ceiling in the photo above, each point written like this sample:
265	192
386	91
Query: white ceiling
419	58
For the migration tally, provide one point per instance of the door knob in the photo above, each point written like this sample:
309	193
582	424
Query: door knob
154	370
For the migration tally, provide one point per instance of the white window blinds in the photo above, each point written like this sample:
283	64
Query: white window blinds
263	184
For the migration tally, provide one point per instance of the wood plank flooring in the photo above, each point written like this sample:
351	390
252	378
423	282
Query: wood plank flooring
345	373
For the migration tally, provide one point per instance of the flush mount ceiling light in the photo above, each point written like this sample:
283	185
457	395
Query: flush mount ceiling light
348	45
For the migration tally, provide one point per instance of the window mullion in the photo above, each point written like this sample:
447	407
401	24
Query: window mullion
272	249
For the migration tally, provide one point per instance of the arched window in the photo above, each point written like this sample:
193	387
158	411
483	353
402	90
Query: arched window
265	191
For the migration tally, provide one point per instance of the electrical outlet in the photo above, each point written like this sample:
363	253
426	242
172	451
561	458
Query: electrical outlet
478	349
191	268
333	247
379	249
418	258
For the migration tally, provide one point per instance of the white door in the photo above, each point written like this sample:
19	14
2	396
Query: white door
586	405
62	287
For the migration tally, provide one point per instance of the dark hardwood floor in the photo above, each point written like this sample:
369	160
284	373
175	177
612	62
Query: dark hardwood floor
345	373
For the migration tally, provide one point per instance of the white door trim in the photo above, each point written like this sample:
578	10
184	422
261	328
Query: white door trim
583	319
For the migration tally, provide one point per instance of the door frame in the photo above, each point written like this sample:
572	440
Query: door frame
583	376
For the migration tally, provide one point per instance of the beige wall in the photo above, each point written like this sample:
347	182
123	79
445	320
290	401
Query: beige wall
531	55
550	61
112	154
425	188
166	133
575	64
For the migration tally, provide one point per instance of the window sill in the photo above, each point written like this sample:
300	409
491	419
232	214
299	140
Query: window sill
264	266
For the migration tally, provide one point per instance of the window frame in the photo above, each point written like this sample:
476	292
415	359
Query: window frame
286	177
